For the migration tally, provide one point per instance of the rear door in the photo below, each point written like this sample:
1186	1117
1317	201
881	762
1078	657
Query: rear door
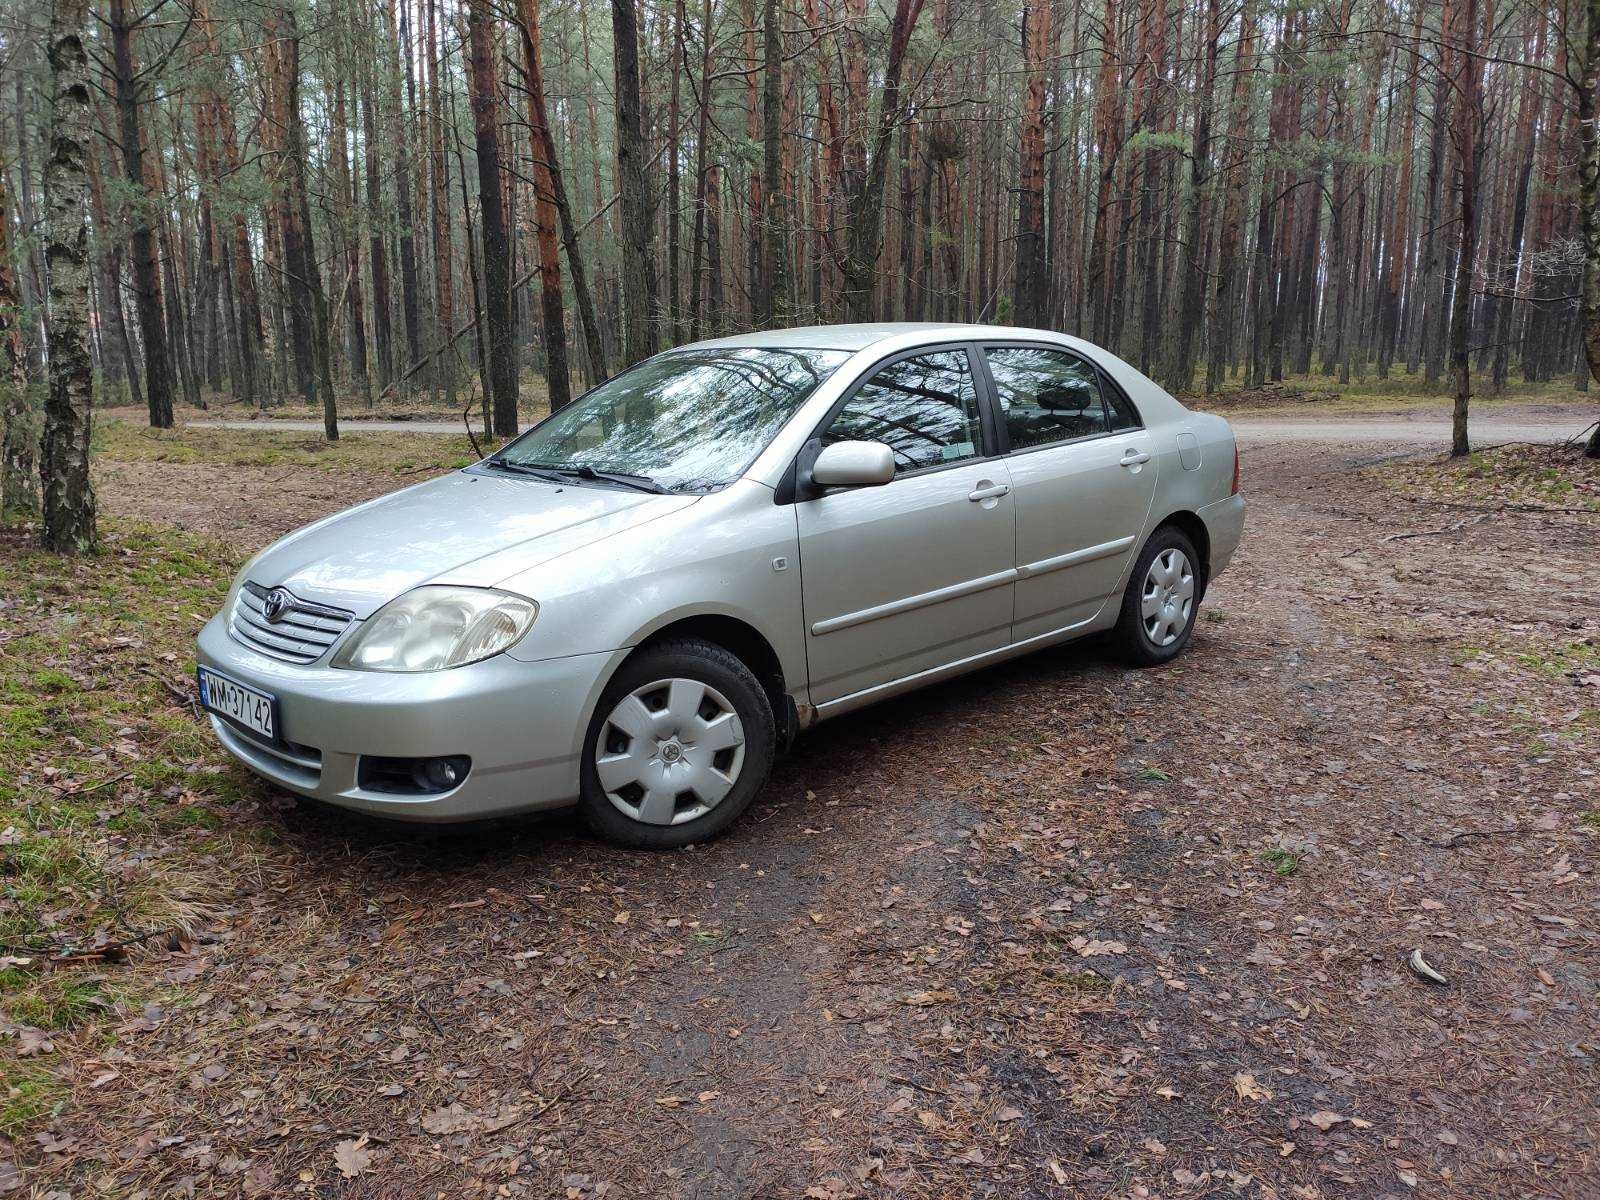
1083	469
917	573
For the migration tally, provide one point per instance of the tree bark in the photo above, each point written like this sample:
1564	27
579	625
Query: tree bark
549	206
141	235
377	255
639	327
1191	307
69	504
345	206
1032	294
773	300
1589	188
19	452
405	212
501	372
1466	129
1222	301
439	192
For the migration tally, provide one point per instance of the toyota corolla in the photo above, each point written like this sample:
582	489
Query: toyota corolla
636	604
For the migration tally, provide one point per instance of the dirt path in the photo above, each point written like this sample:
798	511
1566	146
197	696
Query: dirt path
1056	929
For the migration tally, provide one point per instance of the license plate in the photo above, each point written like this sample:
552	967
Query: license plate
256	711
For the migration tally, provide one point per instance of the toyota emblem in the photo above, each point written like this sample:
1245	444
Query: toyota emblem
275	605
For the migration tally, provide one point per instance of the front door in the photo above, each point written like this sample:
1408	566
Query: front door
918	573
1084	471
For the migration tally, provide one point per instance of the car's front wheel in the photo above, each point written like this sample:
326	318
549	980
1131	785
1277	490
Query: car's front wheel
1161	600
681	741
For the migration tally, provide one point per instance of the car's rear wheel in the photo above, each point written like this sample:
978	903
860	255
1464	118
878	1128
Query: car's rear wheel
1161	601
681	741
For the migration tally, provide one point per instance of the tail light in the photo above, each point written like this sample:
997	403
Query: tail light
1235	490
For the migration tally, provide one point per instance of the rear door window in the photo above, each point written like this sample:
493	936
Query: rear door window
1046	396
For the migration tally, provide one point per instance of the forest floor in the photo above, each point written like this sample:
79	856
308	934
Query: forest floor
1057	929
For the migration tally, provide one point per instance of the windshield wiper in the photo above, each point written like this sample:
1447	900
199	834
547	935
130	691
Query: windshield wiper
642	483
502	464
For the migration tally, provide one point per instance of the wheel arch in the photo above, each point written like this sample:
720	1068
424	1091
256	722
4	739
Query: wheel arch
746	643
1194	528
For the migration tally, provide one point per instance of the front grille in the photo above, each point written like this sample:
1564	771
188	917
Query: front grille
301	634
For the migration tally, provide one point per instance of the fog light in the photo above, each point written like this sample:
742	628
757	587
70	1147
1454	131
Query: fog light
441	774
413	776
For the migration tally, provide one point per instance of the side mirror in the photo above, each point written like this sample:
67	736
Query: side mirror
853	464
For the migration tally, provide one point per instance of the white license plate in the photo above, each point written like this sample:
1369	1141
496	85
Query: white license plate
256	711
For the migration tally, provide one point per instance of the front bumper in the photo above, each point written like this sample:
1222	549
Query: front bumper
521	723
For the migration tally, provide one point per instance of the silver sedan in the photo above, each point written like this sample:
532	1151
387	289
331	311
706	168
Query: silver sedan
636	604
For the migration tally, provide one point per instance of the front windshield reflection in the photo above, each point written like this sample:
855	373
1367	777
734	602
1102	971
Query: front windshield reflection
687	420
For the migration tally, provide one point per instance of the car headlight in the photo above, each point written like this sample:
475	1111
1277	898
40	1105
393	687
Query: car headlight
436	627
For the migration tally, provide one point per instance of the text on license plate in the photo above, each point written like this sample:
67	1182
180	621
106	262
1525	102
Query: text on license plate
252	709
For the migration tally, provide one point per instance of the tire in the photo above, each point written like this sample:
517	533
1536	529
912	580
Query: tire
680	743
1173	622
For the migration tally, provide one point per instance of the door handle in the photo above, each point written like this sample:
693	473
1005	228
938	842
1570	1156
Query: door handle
1132	457
988	491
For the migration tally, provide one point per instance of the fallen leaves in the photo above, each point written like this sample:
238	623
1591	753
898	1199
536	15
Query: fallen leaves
1095	948
454	1118
352	1157
1247	1088
31	1040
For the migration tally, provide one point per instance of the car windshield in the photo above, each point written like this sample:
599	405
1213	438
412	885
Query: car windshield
683	421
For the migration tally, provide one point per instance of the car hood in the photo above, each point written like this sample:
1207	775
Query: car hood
470	527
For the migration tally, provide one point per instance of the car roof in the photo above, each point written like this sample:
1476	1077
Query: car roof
854	337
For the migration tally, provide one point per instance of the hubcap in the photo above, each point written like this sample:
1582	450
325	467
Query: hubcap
1168	597
670	752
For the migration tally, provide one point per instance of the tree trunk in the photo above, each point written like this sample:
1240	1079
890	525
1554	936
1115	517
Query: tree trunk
1193	250
865	235
772	300
19	494
345	207
549	206
702	170
1466	130
501	374
217	139
69	508
675	178
308	302
141	206
1223	301
1108	137
115	340
1032	296
1589	185
377	255
639	329
405	214
439	191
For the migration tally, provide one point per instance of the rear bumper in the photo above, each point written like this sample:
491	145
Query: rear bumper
522	724
1224	527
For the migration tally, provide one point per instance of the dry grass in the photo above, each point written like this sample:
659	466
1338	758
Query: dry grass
1400	393
1528	477
376	451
